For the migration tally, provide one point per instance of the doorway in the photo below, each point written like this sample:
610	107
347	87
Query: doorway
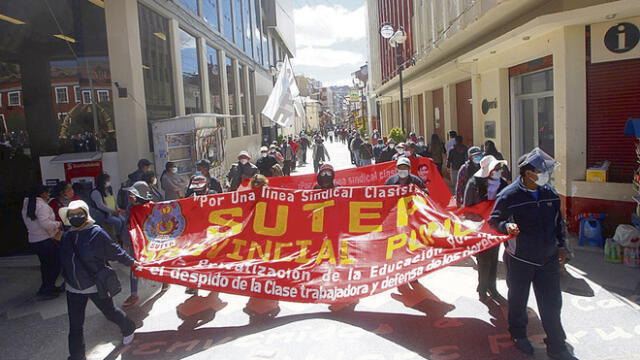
532	113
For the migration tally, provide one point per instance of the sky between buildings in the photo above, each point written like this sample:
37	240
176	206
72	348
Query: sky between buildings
330	39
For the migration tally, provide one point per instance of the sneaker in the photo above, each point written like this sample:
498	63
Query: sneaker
524	345
561	355
128	339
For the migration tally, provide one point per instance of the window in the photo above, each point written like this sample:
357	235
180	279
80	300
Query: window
257	35
191	5
210	13
265	48
190	73
215	85
86	96
237	23
62	95
76	93
103	96
157	70
13	98
227	19
246	11
231	85
242	105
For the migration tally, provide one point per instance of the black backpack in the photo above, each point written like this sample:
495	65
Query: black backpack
122	199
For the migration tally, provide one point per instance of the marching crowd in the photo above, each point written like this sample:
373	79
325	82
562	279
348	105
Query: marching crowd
71	230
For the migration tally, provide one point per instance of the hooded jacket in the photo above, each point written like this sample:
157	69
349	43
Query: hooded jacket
540	222
95	248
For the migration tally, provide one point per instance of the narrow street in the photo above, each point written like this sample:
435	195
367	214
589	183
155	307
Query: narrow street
444	320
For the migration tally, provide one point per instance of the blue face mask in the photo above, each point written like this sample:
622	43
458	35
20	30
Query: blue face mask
476	159
198	173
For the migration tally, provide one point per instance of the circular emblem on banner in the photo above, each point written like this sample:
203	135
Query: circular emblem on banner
165	224
622	37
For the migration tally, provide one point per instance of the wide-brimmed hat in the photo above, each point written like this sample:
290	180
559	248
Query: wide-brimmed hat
74	205
140	189
487	164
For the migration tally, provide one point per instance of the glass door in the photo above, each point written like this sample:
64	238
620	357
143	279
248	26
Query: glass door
532	113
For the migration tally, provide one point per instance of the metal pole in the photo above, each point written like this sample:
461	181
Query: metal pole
400	66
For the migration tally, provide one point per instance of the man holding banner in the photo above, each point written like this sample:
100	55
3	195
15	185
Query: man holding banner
529	209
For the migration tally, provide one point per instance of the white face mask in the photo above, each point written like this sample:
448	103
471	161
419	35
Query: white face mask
400	150
543	179
403	174
244	161
155	182
392	146
107	184
174	170
496	175
264	154
421	143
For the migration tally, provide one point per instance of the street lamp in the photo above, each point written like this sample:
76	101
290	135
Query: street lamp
396	37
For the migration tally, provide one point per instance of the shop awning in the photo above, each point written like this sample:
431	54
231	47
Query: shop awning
76	157
632	128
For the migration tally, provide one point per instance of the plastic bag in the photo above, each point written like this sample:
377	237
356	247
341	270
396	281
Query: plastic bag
625	234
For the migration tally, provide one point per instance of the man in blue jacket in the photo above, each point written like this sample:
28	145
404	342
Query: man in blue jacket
529	209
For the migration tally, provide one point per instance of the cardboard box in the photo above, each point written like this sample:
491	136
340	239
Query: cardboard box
594	175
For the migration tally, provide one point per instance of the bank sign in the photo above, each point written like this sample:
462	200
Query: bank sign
616	40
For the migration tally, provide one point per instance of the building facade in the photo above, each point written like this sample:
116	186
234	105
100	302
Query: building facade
524	74
110	68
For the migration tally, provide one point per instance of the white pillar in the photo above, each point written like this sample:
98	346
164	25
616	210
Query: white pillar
125	63
570	108
204	75
176	59
450	109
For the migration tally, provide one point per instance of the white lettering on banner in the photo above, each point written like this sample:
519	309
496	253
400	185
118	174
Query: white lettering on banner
238	197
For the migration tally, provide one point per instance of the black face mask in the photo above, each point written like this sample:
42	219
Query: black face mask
77	220
325	179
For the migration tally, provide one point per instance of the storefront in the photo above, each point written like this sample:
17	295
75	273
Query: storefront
565	82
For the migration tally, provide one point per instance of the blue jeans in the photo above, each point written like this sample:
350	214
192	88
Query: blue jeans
365	162
49	255
76	305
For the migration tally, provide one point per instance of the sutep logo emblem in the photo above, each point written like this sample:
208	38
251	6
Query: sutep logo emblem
165	224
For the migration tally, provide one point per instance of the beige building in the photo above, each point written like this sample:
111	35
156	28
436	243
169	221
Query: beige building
313	109
560	75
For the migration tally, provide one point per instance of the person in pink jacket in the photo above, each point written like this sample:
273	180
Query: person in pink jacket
43	231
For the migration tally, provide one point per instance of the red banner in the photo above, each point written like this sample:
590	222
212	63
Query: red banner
326	246
376	174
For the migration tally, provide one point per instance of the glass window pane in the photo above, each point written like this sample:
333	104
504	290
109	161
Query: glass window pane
265	49
215	88
191	5
246	11
545	125
537	82
157	68
227	19
210	13
242	105
527	125
231	86
190	73
237	23
257	35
